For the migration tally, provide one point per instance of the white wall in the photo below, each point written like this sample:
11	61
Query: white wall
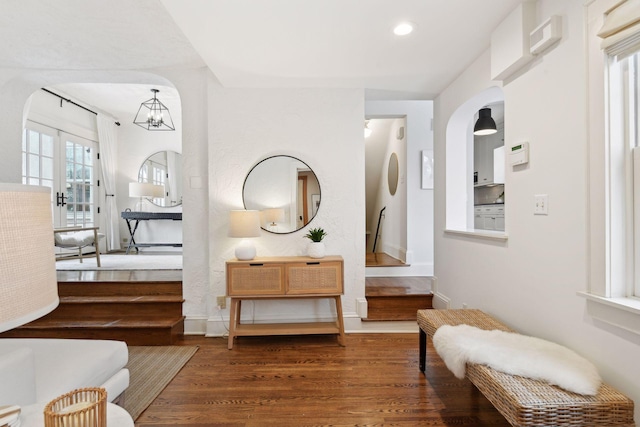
321	127
530	282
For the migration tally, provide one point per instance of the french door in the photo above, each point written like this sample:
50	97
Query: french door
68	165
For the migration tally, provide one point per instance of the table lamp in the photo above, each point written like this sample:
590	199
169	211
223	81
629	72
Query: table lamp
144	189
273	216
244	224
28	282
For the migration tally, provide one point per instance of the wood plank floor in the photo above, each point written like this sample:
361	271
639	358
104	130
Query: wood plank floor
379	259
311	381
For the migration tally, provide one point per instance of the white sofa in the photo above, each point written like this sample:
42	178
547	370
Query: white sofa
34	371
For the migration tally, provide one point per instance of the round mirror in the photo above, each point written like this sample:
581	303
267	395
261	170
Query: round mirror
285	191
392	174
164	168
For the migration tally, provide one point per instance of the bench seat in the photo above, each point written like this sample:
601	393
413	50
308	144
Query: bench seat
524	401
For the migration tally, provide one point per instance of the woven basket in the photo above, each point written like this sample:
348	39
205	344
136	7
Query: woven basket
85	407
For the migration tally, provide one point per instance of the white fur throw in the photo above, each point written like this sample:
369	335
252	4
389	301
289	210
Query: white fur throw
515	354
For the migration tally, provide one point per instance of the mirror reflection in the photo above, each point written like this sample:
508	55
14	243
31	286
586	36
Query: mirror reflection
392	174
286	192
164	168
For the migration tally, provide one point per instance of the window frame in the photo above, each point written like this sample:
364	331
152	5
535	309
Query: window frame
611	295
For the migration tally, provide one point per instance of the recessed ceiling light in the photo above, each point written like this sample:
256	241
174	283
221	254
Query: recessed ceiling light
403	28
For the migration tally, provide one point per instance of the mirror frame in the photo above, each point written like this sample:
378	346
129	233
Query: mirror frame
178	178
314	209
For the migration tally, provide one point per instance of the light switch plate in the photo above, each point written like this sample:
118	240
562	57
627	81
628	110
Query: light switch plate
541	204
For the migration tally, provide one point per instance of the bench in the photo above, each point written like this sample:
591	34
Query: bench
523	401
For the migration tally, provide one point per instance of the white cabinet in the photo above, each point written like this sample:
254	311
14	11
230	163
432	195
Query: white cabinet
489	217
486	162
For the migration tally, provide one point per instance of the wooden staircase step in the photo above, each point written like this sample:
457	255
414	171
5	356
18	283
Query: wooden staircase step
130	306
119	288
140	307
164	331
397	298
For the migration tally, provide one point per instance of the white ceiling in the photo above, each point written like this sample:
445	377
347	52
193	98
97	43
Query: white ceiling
253	43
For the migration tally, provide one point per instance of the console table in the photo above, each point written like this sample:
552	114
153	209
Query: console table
284	278
136	217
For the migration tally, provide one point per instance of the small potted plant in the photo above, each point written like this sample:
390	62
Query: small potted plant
316	246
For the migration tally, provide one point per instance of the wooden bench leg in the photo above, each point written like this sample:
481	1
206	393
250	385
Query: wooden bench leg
423	350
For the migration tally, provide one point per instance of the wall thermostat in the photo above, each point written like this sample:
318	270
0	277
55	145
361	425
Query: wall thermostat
519	154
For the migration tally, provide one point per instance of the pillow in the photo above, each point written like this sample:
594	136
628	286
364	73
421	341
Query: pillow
79	238
17	370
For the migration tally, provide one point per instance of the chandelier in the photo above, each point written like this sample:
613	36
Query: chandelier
154	115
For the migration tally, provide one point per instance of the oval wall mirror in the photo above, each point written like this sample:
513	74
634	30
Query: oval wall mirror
164	168
286	192
392	173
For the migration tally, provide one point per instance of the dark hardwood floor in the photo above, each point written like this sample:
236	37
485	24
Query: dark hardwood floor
311	381
379	259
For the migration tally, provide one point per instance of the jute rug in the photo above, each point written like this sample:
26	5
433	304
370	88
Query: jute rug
151	369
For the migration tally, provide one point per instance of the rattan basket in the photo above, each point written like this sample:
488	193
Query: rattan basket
85	407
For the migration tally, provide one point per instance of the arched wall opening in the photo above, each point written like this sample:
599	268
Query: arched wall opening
459	160
41	109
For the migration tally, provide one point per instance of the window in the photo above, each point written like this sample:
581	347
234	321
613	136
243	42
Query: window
613	291
624	164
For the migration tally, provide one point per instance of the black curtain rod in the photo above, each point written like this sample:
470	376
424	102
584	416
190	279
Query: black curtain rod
71	102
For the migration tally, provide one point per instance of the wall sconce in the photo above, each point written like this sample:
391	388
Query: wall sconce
244	224
367	131
144	189
485	125
153	115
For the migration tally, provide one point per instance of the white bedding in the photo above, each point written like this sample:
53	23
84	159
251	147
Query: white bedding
517	355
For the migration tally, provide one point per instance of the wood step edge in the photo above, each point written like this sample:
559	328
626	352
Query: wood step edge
119	282
103	323
122	299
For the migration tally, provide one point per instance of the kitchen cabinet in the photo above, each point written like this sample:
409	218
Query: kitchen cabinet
486	163
284	278
489	217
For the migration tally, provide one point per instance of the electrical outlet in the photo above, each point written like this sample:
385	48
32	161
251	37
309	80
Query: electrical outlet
222	302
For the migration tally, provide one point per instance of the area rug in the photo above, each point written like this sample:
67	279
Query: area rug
151	369
124	262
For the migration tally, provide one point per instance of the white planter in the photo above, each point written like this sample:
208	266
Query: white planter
316	249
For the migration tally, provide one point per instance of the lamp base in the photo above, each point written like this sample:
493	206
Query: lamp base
245	252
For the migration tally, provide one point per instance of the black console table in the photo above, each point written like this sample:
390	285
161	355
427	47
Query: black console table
136	217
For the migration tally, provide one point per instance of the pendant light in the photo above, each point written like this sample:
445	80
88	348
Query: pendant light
153	115
485	125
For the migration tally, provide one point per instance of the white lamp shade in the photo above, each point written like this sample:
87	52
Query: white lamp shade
145	189
28	282
244	223
273	215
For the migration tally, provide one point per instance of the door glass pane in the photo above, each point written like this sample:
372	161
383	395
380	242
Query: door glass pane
34	165
47	168
65	164
47	145
34	142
